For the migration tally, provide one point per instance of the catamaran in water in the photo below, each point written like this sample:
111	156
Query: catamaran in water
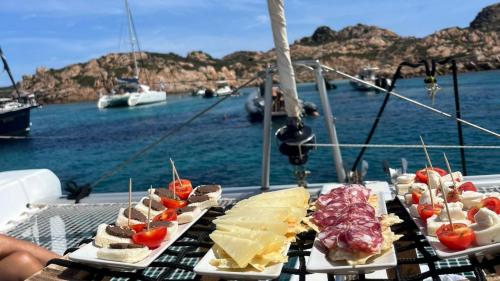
128	91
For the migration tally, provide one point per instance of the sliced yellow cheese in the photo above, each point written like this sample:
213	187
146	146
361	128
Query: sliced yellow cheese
279	228
240	250
290	214
271	241
297	191
274	217
255	231
286	201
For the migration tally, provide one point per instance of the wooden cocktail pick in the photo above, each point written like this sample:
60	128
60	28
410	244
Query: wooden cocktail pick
446	204
449	170
129	200
426	154
149	207
429	186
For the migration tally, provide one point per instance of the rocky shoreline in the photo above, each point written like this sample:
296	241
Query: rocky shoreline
476	47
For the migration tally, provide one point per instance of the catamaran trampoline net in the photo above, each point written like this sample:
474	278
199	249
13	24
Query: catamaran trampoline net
64	228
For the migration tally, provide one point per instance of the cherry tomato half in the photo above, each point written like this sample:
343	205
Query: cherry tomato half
415	196
453	196
426	210
167	215
491	203
471	213
152	238
421	175
173	203
182	188
467	186
460	238
138	227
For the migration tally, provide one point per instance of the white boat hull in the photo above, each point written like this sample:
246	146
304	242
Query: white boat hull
146	97
223	92
113	100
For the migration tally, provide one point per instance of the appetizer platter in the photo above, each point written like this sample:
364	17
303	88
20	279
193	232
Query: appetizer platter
252	239
142	232
354	232
455	218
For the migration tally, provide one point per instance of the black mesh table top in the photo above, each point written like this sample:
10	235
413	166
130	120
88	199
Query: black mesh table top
178	261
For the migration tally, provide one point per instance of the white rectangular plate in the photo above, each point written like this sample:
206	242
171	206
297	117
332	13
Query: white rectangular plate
441	250
319	263
205	268
88	253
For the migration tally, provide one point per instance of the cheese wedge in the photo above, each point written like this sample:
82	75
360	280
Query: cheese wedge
273	242
279	228
286	201
290	214
296	191
241	250
243	217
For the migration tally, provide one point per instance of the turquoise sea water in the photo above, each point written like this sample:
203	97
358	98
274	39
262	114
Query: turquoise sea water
223	147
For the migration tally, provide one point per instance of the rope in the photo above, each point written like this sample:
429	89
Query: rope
168	134
413	101
419	146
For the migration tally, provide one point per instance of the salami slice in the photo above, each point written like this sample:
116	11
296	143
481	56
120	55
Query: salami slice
365	240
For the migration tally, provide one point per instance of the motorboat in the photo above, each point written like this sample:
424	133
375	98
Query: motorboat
223	88
369	74
255	104
15	110
129	92
198	92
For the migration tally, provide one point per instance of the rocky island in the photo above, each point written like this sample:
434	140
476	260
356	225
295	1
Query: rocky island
476	47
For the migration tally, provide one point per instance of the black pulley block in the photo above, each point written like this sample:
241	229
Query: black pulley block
292	137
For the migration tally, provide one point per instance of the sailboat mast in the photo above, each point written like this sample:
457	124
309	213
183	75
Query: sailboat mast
133	38
7	68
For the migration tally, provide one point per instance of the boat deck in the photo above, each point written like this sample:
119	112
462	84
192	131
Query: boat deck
61	226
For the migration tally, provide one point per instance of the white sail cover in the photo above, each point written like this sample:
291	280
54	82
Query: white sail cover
286	74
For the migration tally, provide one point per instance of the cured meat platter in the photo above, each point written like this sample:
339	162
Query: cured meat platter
362	227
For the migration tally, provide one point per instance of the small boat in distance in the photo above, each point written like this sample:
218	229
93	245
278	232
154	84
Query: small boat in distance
15	110
369	74
223	88
255	105
129	92
198	92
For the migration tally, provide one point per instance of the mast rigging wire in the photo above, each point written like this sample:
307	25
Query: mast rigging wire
419	146
448	115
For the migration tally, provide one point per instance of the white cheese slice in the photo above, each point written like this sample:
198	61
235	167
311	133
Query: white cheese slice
402	188
405	179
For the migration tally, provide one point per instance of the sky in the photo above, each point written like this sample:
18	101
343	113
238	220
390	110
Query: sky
56	33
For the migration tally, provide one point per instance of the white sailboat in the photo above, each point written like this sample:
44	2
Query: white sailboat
129	92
